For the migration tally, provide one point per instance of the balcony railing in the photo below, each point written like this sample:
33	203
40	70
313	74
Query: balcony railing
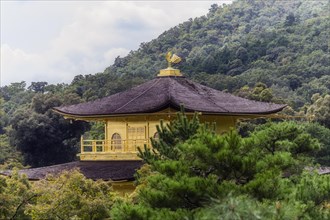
112	146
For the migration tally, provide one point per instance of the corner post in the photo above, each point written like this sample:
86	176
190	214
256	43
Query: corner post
81	144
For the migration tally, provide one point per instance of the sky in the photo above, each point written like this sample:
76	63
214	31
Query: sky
54	41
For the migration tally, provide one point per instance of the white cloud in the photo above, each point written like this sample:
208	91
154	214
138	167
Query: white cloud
86	37
15	63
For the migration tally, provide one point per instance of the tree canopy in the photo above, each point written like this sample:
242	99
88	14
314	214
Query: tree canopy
44	137
194	173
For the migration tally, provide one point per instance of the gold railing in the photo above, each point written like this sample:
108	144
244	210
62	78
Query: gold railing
112	146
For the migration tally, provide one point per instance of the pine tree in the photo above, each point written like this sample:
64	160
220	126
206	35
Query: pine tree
191	172
177	131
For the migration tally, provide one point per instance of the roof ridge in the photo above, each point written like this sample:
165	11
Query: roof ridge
207	98
137	96
169	91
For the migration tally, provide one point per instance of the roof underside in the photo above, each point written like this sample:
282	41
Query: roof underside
164	92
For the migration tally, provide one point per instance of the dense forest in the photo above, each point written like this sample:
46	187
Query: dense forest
273	51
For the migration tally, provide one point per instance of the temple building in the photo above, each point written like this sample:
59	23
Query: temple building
130	117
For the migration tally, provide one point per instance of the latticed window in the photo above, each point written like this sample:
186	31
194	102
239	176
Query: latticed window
116	143
140	133
136	133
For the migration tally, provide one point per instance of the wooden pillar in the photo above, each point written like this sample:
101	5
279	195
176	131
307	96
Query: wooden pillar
106	141
148	134
94	146
81	144
125	144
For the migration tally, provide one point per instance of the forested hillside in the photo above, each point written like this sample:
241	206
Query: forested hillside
265	50
283	44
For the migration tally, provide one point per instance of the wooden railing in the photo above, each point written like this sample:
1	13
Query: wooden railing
112	146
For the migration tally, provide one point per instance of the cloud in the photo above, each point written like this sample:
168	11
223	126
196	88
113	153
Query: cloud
15	63
86	37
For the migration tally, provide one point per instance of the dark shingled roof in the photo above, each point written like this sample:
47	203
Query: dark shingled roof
105	170
164	92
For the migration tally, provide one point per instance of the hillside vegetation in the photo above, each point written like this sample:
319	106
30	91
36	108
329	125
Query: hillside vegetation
283	44
270	50
264	50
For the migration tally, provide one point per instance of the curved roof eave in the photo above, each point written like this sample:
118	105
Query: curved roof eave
158	112
160	93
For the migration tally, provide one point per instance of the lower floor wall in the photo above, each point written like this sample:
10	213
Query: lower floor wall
142	128
125	134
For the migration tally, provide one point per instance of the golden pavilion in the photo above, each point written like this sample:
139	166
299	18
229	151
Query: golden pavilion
130	117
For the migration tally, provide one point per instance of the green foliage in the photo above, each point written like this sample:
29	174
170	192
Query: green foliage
260	92
67	196
322	134
285	136
15	194
228	177
43	136
315	130
8	92
8	154
320	109
235	208
96	132
313	187
125	211
70	196
175	132
38	86
2	116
